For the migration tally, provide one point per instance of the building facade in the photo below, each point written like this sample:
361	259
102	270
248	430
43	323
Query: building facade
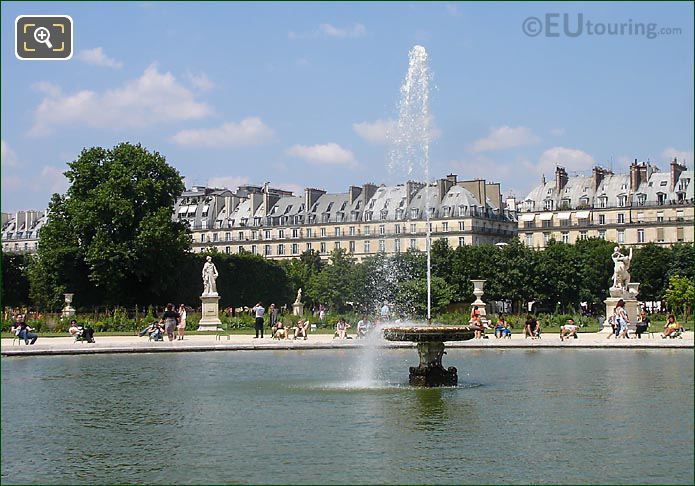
364	220
20	231
642	206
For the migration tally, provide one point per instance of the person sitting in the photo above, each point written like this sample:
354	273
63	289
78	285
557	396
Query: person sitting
300	330
642	324
671	327
278	331
568	330
363	327
22	330
81	333
341	328
156	331
531	327
500	327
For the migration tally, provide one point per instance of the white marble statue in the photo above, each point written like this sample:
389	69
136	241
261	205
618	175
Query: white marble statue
621	265
209	277
298	300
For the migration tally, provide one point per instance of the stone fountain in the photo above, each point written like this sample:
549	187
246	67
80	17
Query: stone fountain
412	142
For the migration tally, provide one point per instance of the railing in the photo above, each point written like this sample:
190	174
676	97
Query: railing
596	207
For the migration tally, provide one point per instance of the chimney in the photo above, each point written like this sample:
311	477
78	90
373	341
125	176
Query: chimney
269	200
635	176
353	193
560	179
443	186
452	178
477	188
411	188
543	179
368	191
256	201
494	193
597	174
676	170
311	195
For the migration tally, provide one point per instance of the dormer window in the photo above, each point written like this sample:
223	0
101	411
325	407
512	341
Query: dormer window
384	213
549	205
550	191
413	213
641	199
661	197
623	187
622	201
603	201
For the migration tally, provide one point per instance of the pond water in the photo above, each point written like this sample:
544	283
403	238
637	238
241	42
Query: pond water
517	416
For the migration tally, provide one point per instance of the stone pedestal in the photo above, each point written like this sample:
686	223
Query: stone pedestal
210	319
298	309
68	311
430	372
632	306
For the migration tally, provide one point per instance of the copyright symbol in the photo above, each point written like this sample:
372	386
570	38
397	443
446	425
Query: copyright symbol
532	26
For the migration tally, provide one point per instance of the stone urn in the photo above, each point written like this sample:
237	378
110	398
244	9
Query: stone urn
478	286
68	311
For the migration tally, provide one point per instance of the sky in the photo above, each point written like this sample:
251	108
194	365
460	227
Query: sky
303	94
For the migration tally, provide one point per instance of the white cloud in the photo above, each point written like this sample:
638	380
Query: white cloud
150	99
47	88
331	31
557	132
683	156
200	81
230	182
569	158
54	179
250	131
327	154
383	131
505	137
8	157
97	57
375	132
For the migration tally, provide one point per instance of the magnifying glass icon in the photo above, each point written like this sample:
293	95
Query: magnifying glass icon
43	36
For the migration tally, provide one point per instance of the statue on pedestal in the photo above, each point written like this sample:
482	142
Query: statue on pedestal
298	300
209	277
621	265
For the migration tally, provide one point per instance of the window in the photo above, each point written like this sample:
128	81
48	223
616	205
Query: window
547	223
336	231
640	236
641	199
680	215
309	233
413	244
352	231
661	198
382	229
267	251
295	233
366	247
679	234
660	235
621	218
583	235
622	201
601	219
528	224
323	232
204	224
281	249
445	227
546	238
382	245
640	217
215	237
603	201
227	249
240	249
529	239
548	204
336	245
565	222
241	235
254	249
660	217
397	245
398	229
565	237
351	246
202	237
281	233
295	248
322	247
413	228
367	230
308	246
413	213
462	226
227	236
621	236
266	234
602	234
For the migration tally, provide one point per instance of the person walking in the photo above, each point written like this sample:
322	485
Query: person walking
273	313
171	319
259	311
621	319
182	322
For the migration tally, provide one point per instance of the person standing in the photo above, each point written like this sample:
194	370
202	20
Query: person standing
621	318
171	319
273	313
259	311
182	322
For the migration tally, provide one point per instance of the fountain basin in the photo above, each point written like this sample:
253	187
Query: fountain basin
430	347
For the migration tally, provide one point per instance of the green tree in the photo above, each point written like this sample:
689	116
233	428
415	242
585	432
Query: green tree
595	270
682	260
110	238
334	284
15	285
411	299
556	271
649	267
680	295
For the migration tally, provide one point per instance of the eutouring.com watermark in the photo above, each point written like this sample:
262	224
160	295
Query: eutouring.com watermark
575	25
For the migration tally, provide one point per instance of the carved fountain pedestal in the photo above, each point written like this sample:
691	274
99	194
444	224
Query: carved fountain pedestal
430	346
